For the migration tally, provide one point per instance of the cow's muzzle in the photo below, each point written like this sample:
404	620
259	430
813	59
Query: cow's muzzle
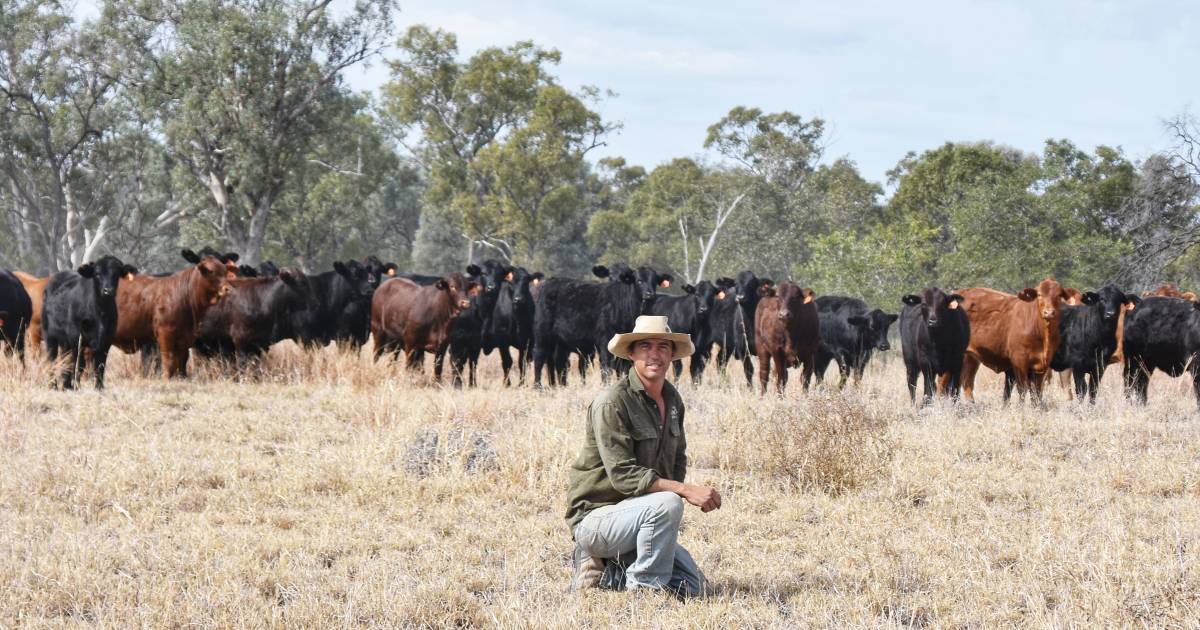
933	323
884	346
739	298
784	314
107	291
1109	314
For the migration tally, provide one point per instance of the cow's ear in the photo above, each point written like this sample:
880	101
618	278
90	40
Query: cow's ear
766	282
911	300
231	257
1028	295
474	270
537	275
473	288
600	271
87	270
1091	297
1188	295
441	284
130	272
766	290
858	320
689	289
809	295
664	280
190	256
726	282
341	268
247	271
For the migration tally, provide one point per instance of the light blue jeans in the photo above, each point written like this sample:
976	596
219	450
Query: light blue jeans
649	526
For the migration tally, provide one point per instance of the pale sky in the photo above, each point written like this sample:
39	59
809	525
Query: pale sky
888	77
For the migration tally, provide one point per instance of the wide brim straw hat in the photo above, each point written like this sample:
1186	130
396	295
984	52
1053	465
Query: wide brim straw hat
651	327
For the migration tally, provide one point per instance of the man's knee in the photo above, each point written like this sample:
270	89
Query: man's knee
669	505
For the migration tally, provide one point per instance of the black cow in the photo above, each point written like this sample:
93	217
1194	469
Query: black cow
580	317
850	333
331	291
511	324
934	333
16	311
257	313
80	312
1089	338
1161	333
732	321
355	324
689	314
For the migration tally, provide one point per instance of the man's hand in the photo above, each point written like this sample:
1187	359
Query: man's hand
703	497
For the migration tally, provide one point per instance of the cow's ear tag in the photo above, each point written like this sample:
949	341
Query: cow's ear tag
720	295
508	277
953	304
230	275
129	276
391	272
665	283
808	299
537	281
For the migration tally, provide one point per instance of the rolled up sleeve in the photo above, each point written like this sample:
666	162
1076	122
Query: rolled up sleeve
615	445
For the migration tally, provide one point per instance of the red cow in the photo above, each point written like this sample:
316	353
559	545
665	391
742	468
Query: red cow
36	288
416	319
1014	334
786	329
167	311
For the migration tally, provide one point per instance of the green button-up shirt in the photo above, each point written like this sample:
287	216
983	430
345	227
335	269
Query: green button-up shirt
626	448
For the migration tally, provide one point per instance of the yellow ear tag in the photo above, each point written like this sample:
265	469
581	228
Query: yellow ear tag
953	304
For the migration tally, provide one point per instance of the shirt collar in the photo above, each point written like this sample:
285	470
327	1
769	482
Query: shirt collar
636	385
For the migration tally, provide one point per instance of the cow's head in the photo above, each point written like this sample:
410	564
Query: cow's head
935	305
458	289
1049	297
791	298
246	271
746	288
268	269
378	271
1107	300
706	295
873	328
490	278
649	281
1074	297
214	275
356	274
298	292
523	283
106	274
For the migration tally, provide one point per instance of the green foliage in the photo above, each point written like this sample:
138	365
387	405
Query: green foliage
879	265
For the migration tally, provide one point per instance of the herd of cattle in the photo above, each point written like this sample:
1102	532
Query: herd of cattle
216	308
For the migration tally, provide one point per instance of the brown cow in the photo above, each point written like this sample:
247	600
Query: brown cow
416	319
167	311
786	329
1014	334
1170	289
36	288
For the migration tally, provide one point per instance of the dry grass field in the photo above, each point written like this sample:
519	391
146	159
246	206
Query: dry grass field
327	491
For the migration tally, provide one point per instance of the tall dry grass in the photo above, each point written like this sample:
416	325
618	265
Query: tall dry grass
323	490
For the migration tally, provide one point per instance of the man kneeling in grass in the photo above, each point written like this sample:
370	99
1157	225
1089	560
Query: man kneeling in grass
625	501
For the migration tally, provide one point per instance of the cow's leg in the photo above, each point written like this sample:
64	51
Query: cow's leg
748	368
677	366
764	372
1196	385
1094	383
52	355
414	359
1080	389
844	368
99	365
439	361
969	368
522	359
696	367
806	372
781	368
1010	379
505	364
910	377
1065	378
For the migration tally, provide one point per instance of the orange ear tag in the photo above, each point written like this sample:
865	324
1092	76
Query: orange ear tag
508	277
720	295
129	276
664	284
808	299
391	272
953	304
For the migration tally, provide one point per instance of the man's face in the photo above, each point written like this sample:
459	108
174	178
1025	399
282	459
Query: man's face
651	358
